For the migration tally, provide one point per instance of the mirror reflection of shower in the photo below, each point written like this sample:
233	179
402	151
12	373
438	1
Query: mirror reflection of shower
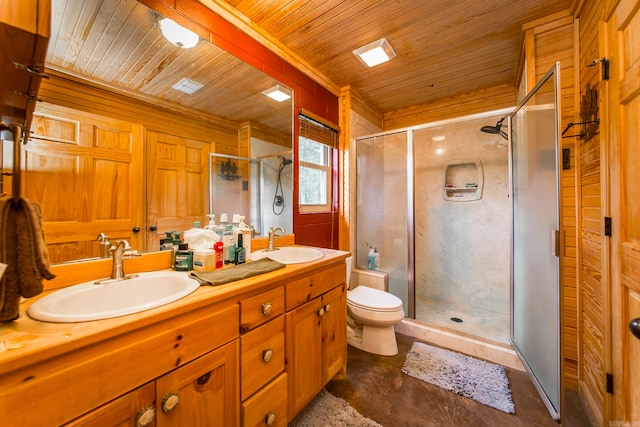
276	187
251	192
278	197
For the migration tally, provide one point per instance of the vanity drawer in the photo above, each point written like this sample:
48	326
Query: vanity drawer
268	407
303	289
256	310
261	356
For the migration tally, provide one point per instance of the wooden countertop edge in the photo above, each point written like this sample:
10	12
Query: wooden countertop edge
26	341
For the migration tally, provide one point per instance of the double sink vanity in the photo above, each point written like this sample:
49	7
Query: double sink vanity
251	352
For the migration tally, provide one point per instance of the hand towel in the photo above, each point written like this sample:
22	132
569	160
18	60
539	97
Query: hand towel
23	249
237	272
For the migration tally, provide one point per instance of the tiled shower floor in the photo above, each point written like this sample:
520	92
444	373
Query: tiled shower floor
481	323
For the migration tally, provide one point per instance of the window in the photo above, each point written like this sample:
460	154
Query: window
315	176
316	143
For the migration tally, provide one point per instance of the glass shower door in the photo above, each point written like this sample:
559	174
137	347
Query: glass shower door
535	328
384	209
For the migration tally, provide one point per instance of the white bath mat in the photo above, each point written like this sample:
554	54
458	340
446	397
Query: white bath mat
326	410
476	379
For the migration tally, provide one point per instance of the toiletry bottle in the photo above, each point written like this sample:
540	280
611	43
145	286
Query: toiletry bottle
224	219
212	222
217	246
232	250
241	254
227	237
371	260
184	258
246	235
376	259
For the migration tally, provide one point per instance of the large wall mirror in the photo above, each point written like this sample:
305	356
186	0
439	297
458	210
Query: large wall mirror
153	171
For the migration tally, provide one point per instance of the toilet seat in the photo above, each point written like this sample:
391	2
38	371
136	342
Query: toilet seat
372	299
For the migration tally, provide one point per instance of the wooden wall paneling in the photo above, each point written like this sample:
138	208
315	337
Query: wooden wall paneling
344	204
551	41
476	102
591	278
99	99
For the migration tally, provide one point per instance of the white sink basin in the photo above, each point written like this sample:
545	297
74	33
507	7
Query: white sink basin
289	254
88	301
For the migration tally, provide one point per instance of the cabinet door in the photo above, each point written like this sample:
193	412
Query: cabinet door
334	333
303	354
124	411
201	393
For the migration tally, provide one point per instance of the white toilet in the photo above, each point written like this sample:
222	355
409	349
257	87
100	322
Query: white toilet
371	316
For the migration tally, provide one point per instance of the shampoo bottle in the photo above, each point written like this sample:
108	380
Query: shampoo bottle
371	259
376	259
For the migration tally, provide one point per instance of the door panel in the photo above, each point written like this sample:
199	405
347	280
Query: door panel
85	171
622	47
177	184
535	327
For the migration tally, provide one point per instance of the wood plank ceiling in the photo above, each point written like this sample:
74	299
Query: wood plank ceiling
444	47
117	43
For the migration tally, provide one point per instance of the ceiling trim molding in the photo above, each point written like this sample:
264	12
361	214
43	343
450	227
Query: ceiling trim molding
244	24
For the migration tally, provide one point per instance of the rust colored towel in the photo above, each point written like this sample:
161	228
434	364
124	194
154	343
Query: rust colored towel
23	249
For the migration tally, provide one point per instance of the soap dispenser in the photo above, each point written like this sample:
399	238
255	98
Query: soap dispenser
212	222
105	245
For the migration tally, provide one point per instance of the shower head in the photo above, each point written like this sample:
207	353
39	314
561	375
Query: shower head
496	130
284	161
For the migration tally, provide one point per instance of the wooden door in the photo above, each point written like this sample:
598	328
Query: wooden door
123	411
177	184
334	333
204	392
85	171
623	50
303	354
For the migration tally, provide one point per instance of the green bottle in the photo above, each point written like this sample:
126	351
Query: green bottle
241	252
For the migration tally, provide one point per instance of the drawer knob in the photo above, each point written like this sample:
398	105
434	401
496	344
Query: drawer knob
170	401
145	416
267	354
267	307
327	308
321	312
270	418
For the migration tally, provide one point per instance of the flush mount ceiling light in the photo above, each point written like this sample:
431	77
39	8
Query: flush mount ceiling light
187	86
375	53
277	93
177	34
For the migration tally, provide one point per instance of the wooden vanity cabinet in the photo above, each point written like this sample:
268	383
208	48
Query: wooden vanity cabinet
263	382
316	344
203	392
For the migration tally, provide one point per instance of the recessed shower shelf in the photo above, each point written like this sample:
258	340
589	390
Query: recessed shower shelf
463	180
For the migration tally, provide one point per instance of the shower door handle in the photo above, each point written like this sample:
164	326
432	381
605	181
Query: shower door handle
555	242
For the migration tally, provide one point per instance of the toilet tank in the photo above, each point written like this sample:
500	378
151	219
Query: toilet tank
370	278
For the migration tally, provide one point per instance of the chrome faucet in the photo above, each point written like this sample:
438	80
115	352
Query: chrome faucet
118	253
273	232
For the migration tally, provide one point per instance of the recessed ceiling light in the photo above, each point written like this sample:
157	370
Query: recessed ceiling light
187	86
375	53
438	138
177	34
278	93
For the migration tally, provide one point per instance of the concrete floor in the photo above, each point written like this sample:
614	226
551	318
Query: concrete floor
377	389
